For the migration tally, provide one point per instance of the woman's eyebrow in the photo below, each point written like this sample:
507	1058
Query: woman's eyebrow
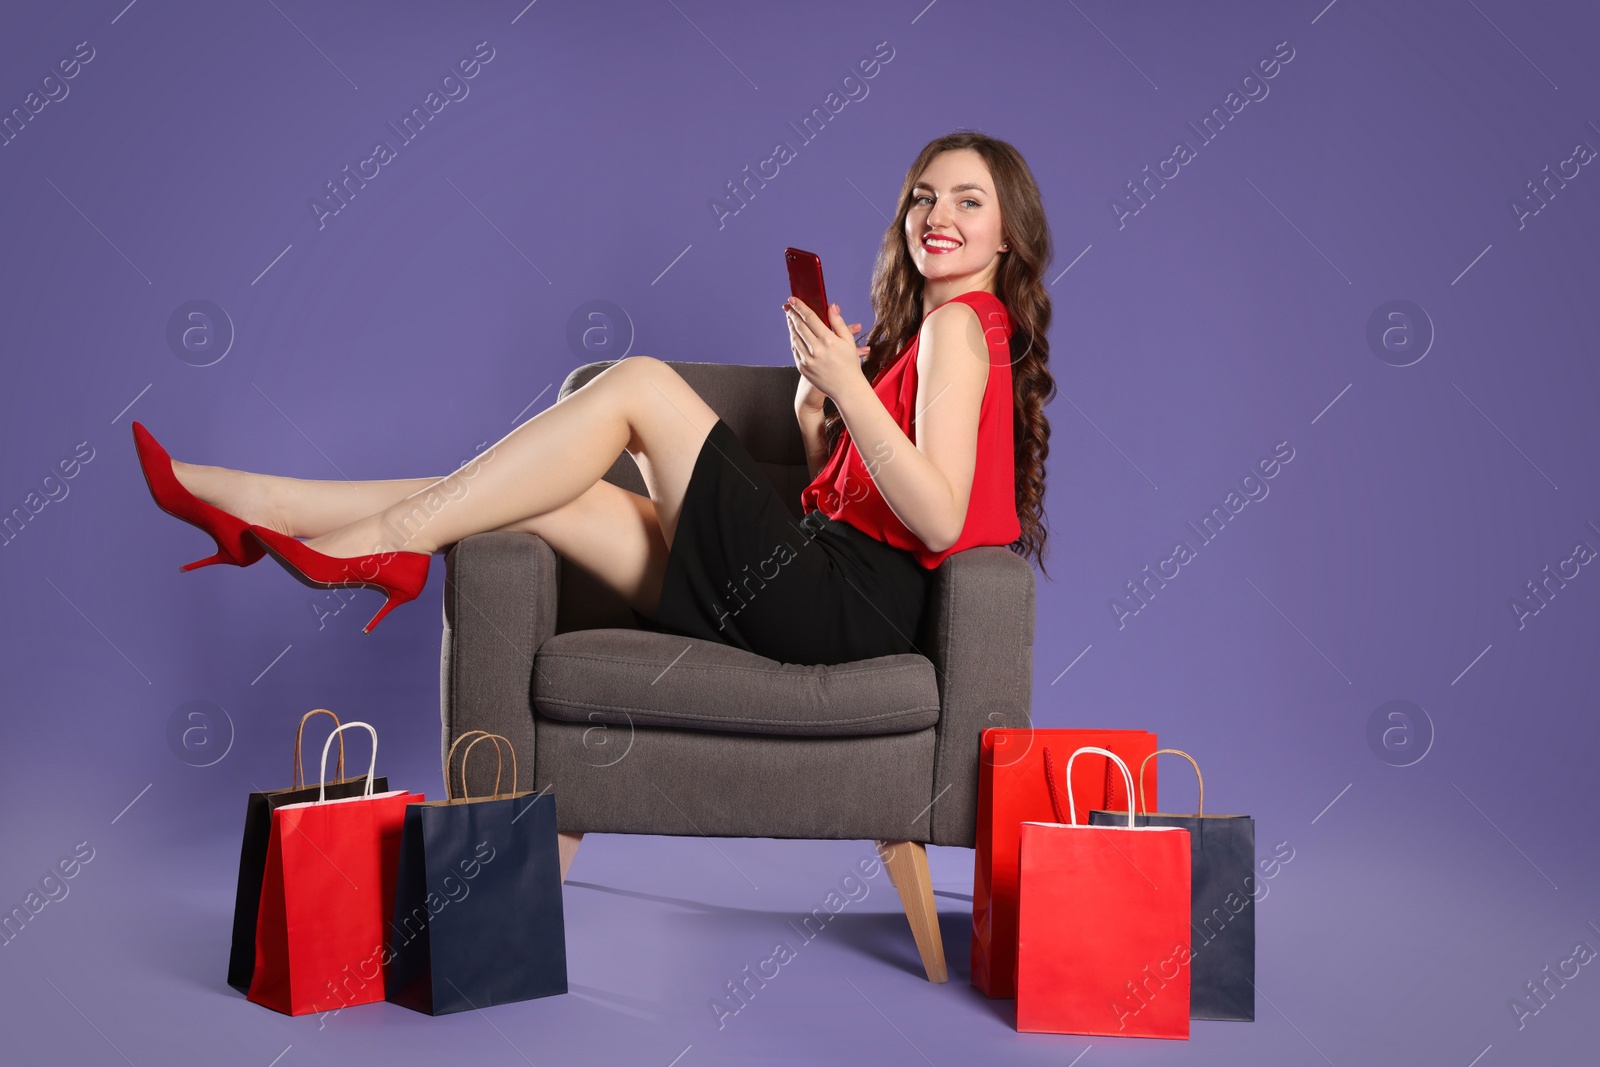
959	188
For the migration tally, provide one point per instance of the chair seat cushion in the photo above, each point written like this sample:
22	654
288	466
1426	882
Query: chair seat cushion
647	678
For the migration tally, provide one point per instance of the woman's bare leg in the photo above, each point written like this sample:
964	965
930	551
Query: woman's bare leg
638	404
299	507
615	536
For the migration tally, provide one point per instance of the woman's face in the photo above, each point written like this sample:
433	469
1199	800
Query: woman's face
953	225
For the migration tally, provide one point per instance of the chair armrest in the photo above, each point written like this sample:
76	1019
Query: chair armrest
500	597
978	627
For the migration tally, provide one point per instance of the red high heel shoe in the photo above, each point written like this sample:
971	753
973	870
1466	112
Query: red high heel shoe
399	576
228	531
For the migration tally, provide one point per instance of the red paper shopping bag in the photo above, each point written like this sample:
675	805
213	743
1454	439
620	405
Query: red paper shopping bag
326	896
1013	788
1102	925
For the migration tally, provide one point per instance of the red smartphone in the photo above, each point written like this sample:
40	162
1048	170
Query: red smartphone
805	280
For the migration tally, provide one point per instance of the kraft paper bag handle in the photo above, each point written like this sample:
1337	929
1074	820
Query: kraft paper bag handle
499	764
1055	796
299	737
372	768
1201	806
470	733
450	756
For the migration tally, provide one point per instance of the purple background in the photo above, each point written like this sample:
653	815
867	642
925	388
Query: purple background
1228	315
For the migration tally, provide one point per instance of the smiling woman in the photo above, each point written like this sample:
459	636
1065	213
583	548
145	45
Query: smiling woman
970	221
949	406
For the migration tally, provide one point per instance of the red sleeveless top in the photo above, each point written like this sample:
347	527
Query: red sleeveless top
844	490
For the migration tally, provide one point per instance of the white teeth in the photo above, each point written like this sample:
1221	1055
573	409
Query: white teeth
935	242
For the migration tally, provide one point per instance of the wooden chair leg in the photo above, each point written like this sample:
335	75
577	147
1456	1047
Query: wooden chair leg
907	864
567	846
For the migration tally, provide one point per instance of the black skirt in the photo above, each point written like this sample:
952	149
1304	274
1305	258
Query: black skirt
745	572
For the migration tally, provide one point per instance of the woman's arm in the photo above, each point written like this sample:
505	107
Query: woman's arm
928	485
808	411
811	433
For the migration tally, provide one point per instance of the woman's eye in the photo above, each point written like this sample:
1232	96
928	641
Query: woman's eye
974	203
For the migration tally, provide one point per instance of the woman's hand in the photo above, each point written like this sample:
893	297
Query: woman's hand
827	356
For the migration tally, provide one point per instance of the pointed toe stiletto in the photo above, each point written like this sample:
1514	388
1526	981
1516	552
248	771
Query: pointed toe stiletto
228	531
399	576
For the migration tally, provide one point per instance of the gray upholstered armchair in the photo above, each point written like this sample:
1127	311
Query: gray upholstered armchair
641	732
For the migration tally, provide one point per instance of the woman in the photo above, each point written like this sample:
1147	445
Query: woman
957	360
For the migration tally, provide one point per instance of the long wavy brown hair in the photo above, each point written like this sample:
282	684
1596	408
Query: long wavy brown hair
897	301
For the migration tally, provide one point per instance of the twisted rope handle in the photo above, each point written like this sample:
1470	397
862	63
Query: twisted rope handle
372	768
1055	795
449	761
481	735
1072	811
1201	807
1050	781
499	765
299	738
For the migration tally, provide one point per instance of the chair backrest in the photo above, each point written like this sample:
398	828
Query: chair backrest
757	403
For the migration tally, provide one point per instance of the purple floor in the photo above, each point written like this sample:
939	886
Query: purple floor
1362	960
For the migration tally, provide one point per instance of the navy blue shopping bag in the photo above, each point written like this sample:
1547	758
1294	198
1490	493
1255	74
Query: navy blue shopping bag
477	913
1223	886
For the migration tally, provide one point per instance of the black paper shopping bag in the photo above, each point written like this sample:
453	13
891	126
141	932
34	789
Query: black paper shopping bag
253	852
477	913
1223	886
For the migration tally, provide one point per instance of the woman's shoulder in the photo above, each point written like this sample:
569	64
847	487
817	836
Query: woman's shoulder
979	296
992	314
990	309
